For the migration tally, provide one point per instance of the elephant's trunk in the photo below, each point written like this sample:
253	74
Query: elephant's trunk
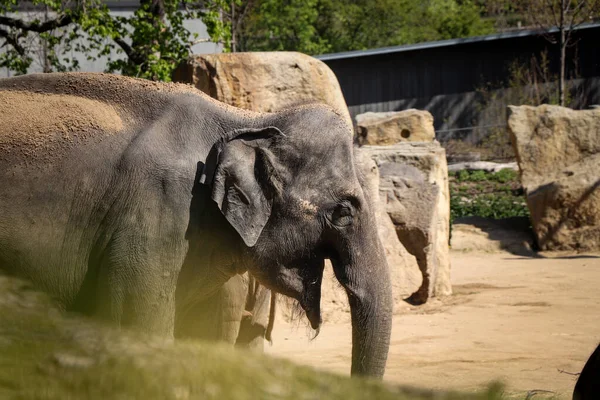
363	272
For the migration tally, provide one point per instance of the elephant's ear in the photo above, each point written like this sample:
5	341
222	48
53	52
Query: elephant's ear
237	169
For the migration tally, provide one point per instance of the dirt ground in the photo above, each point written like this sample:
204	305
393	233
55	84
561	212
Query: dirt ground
529	322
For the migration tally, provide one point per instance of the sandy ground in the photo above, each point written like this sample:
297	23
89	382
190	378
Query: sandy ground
527	322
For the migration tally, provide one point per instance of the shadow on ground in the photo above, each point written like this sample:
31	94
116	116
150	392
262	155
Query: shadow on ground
513	235
485	234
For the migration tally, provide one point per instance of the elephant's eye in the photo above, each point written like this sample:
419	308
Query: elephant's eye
343	214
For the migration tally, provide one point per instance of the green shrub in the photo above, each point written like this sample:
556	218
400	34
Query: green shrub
505	175
486	194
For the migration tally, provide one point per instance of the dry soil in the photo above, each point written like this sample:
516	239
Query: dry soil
529	322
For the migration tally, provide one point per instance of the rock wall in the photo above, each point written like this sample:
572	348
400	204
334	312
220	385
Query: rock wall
558	152
404	271
414	192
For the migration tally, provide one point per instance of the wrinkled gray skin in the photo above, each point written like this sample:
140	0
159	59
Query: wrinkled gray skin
142	226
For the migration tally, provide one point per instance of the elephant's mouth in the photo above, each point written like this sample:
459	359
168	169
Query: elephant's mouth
306	290
314	315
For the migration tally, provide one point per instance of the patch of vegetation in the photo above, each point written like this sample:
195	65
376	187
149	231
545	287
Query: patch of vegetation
45	355
486	194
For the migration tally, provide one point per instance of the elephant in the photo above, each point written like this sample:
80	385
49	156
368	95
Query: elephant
136	202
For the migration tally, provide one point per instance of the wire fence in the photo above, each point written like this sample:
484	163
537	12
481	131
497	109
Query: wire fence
472	134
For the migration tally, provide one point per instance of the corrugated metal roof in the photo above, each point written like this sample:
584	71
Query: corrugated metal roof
442	43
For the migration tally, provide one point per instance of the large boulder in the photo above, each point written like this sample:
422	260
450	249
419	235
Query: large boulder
414	195
264	81
388	128
558	152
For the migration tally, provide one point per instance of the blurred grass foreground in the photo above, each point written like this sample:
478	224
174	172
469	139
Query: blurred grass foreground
47	355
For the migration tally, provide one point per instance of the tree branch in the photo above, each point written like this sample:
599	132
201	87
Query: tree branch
576	11
46	26
14	42
553	12
591	9
125	46
580	6
242	14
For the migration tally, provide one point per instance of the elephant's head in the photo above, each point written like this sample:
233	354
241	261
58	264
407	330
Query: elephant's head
293	193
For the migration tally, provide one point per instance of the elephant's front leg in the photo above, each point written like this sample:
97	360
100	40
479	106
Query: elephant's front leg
136	287
140	296
218	317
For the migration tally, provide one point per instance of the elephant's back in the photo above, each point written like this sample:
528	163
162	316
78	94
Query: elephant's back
131	97
29	119
43	114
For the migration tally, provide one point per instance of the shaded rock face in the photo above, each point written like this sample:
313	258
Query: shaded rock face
415	203
393	127
558	152
264	81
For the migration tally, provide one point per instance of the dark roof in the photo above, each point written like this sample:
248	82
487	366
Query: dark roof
442	43
123	5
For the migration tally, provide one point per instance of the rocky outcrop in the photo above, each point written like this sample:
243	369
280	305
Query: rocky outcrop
415	200
558	152
414	195
264	81
393	127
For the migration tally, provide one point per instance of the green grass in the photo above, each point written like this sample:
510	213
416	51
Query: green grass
44	355
494	195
